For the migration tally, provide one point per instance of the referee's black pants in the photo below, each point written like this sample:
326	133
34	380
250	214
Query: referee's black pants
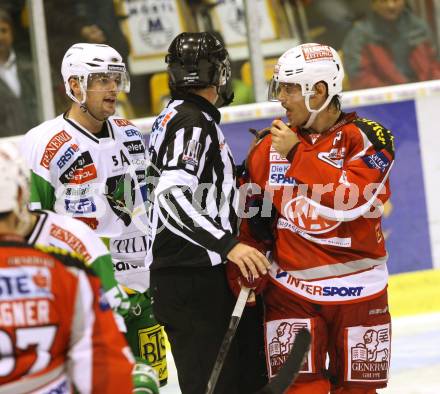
195	305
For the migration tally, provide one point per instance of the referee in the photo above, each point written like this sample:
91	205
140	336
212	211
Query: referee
192	216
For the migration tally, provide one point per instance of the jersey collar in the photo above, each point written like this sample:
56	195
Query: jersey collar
87	133
202	103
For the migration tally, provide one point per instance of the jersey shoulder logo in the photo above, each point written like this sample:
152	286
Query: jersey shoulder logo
162	120
71	240
53	146
123	122
378	135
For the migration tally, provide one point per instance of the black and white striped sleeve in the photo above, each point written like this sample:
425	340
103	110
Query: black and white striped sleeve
180	196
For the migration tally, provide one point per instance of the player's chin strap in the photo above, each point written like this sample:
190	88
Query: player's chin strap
314	112
84	108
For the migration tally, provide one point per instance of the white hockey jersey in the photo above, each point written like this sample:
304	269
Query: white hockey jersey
100	181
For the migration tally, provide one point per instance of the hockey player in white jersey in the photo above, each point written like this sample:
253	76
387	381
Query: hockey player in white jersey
90	165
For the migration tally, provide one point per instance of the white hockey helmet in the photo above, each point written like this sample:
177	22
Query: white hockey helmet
306	65
14	178
83	60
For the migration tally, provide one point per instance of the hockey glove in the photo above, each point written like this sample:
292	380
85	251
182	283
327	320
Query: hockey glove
236	280
144	378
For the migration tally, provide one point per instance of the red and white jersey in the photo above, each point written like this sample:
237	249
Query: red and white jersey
56	331
329	245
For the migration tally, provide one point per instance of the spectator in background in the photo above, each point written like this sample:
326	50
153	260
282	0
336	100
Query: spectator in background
90	21
100	24
329	21
390	46
17	88
20	20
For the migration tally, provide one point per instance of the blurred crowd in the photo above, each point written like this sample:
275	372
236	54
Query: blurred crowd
381	42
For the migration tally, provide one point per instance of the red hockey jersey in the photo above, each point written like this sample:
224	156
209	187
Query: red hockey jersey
329	245
56	331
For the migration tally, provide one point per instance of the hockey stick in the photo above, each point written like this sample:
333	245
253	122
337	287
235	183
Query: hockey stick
289	371
227	339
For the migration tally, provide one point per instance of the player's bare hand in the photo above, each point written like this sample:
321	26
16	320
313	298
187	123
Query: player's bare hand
283	138
248	260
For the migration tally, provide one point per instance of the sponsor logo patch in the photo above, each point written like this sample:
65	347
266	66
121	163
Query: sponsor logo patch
377	161
81	171
77	191
135	147
116	67
129	245
67	155
120	266
275	156
53	146
280	335
123	122
323	291
162	120
152	348
132	132
30	282
317	52
71	240
368	353
81	206
277	175
335	157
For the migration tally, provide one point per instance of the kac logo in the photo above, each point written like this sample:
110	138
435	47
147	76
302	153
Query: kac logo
301	214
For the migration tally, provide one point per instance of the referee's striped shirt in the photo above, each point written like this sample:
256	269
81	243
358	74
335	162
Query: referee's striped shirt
192	187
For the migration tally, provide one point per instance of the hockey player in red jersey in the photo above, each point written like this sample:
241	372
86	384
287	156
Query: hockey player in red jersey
56	331
56	327
326	174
